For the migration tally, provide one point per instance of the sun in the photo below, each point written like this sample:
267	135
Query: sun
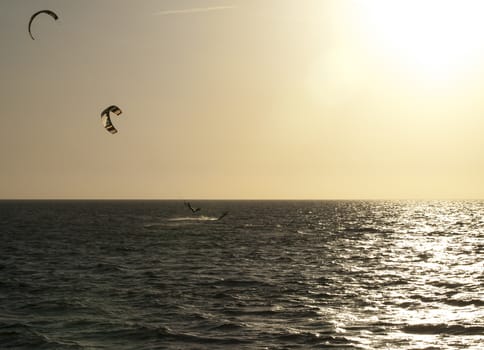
435	38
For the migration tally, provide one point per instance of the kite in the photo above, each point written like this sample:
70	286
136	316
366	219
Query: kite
106	118
49	12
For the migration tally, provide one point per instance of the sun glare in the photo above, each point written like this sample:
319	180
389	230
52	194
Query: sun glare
437	38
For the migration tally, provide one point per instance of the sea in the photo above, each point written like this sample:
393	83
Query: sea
269	275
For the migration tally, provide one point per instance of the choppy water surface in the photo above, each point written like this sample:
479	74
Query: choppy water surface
270	275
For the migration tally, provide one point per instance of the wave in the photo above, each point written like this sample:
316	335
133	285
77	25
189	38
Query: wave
20	335
191	218
227	326
365	229
312	338
181	220
464	302
444	329
145	332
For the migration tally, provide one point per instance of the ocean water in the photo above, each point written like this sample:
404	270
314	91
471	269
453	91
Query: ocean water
270	275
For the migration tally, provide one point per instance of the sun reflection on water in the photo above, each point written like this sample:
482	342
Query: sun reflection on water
425	283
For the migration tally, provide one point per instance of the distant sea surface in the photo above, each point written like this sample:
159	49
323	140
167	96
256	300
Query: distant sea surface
269	275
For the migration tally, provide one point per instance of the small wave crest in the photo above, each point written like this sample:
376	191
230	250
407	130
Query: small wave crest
179	220
444	329
364	229
465	302
313	338
143	332
188	218
20	335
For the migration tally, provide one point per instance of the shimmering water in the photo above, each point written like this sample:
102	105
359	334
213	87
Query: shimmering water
270	275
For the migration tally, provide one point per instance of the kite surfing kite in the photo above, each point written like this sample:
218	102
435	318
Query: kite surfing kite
48	12
106	118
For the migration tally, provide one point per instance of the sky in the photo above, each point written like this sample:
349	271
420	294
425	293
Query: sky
243	99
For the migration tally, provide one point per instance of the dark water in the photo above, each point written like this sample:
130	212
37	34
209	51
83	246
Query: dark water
270	275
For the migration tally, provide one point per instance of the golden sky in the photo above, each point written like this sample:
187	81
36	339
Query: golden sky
243	99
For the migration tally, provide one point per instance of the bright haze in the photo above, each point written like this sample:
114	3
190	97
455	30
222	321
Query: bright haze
243	99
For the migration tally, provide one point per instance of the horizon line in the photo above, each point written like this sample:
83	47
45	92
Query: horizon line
240	199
